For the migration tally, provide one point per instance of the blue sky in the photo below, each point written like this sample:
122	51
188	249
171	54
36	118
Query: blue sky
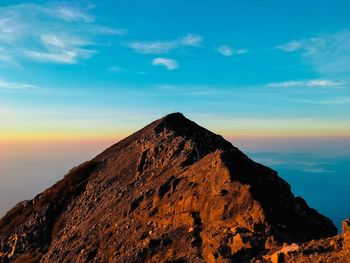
104	68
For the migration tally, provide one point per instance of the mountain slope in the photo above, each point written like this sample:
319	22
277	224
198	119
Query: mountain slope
172	191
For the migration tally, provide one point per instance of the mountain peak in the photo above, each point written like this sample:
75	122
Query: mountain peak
179	123
173	191
174	117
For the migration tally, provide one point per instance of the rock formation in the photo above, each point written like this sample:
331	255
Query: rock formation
171	192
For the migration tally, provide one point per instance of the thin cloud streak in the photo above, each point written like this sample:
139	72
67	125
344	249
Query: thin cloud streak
334	101
320	83
290	46
163	47
69	13
64	58
5	85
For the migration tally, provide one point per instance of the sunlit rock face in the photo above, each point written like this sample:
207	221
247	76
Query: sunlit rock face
171	192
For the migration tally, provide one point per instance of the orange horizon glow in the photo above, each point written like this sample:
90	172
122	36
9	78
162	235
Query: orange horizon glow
24	130
98	138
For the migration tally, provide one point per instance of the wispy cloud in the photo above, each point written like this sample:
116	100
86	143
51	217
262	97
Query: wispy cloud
315	83
229	51
163	47
63	57
316	170
191	40
225	50
5	85
69	13
327	53
290	46
62	41
333	101
170	64
105	30
45	33
114	69
6	58
61	49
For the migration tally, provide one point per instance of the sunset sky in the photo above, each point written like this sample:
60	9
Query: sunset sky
102	69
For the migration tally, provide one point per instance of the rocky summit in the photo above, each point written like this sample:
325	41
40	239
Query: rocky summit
171	192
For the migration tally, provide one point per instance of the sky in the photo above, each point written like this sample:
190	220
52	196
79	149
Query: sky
102	69
270	76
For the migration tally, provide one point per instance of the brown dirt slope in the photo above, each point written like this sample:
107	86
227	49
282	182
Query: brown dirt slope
171	192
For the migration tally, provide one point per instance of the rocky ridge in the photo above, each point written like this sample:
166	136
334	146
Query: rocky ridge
171	192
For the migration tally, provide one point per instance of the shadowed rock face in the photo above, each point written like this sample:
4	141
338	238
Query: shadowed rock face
171	192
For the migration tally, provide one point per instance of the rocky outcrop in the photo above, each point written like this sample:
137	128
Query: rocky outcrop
171	192
346	238
326	250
